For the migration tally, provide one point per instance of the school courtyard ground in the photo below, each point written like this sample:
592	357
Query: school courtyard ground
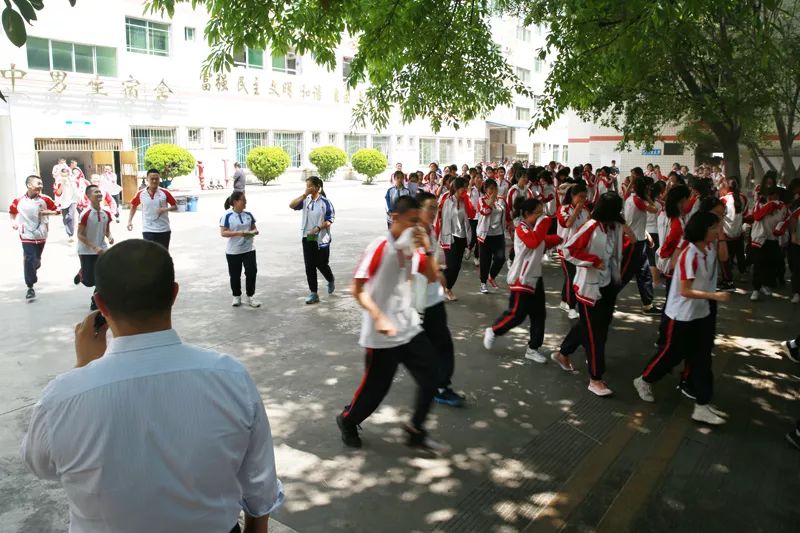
532	451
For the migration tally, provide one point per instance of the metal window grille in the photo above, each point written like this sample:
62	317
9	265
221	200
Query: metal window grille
446	151
246	141
145	37
193	135
78	145
144	138
381	143
427	148
565	154
480	150
354	143
293	144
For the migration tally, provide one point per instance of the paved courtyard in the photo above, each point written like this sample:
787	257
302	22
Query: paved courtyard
532	451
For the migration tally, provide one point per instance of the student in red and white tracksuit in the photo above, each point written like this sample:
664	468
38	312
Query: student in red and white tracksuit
503	185
571	216
94	227
689	320
491	234
637	206
156	203
765	250
475	191
791	224
525	279
596	251
732	226
520	191
453	230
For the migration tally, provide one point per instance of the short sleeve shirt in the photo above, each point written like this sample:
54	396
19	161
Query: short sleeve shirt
96	222
33	226
152	220
234	221
695	265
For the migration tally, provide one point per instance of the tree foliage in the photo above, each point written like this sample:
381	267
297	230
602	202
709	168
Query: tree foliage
369	162
267	162
170	160
327	159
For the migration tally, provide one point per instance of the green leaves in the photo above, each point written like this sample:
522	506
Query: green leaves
170	160
27	10
327	159
14	27
369	162
267	162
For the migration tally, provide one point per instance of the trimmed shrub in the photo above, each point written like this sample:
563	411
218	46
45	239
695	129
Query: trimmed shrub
327	159
267	162
170	160
369	162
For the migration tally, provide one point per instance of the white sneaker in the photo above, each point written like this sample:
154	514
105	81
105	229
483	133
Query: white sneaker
644	389
600	390
488	338
252	302
766	291
535	356
468	255
573	314
476	261
756	296
509	262
703	413
717	411
564	306
484	289
237	301
796	299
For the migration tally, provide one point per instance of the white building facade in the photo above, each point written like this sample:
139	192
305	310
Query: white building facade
125	81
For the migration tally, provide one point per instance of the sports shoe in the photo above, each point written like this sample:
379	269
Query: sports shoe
77	279
702	413
349	432
573	314
237	301
70	240
535	356
312	298
794	438
792	353
651	310
468	255
756	296
417	438
726	286
488	338
796	298
448	396
717	411
252	302
331	287
492	283
484	289
600	389
644	389
31	294
686	390
766	291
563	362
564	306
509	263
476	261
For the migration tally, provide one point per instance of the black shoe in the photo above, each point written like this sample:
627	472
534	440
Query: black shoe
31	294
726	286
349	432
792	353
794	438
686	390
418	438
450	397
652	310
77	279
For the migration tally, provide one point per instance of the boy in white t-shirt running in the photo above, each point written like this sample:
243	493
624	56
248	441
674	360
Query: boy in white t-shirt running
94	227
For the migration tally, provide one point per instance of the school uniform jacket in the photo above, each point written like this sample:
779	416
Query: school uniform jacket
671	241
564	212
487	214
33	226
791	223
766	218
732	221
592	244
446	218
529	246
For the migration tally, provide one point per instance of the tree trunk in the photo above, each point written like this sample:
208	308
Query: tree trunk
786	139
732	158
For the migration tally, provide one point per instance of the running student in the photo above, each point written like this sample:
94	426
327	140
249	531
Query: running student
30	217
657	193
94	227
393	193
239	227
637	206
453	230
571	216
318	216
475	190
491	221
689	325
390	326
732	226
765	250
525	279
434	316
156	204
596	250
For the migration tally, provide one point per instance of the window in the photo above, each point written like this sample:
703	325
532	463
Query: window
44	55
480	150
249	58
315	137
523	34
523	113
427	149
565	153
411	140
524	74
538	65
188	34
145	37
287	63
144	138
293	144
446	151
332	138
193	135
246	141
381	143
218	136
673	149
354	143
469	144
537	153
398	140
556	152
536	102
346	61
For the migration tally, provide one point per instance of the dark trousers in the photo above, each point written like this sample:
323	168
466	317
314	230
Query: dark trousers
381	365
235	264
592	331
766	261
635	263
474	238
316	258
662	328
794	266
685	340
567	290
68	216
161	237
434	322
493	255
31	261
453	259
735	252
522	305
87	269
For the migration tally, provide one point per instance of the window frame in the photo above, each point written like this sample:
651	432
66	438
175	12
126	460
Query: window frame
196	142
524	74
427	159
149	27
187	30
526	113
73	61
248	63
346	67
287	57
219	144
296	158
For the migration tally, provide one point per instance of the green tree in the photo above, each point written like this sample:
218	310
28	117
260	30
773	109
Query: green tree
267	162
170	160
369	162
327	159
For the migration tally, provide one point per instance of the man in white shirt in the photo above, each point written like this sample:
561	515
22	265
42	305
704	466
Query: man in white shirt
239	179
156	204
148	433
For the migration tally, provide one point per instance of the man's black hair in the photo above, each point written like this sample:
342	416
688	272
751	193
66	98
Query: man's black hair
153	171
404	203
31	178
424	196
135	279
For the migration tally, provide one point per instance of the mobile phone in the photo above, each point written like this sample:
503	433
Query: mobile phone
99	322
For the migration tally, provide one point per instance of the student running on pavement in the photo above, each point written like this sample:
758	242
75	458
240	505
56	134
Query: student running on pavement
94	228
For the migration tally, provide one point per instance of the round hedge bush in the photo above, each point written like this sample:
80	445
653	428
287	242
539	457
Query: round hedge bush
267	162
170	160
369	162
327	159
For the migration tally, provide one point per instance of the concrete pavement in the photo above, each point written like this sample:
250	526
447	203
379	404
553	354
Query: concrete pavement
532	451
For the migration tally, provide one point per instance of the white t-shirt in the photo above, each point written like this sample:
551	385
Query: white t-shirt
152	220
387	272
234	221
636	216
695	265
96	222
